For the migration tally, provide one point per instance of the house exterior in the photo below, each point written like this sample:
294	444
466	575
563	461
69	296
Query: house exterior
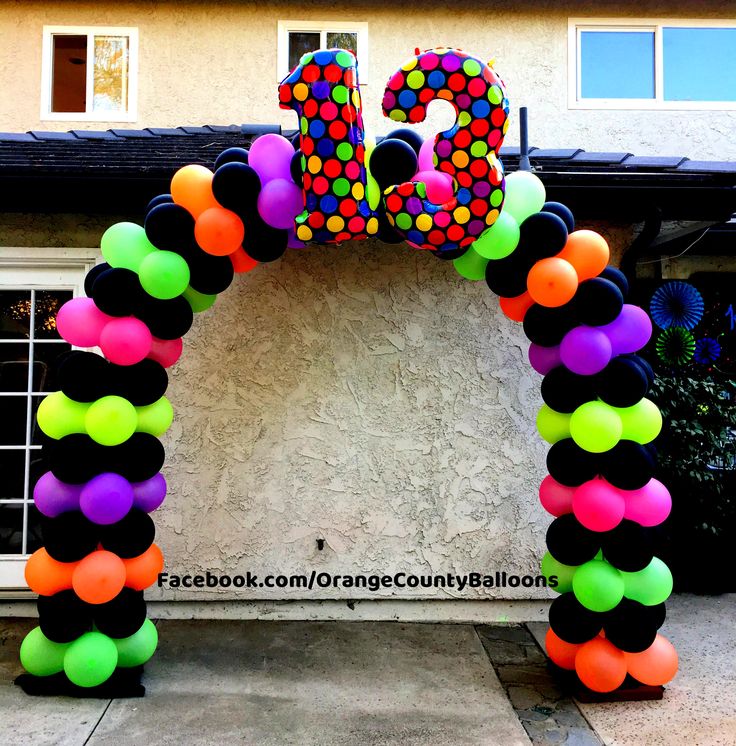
359	410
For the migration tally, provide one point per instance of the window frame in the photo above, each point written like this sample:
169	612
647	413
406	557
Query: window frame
40	269
47	67
323	27
656	25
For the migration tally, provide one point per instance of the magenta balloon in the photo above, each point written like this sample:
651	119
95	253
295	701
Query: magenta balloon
150	494
598	505
125	341
650	505
544	359
629	331
80	322
426	155
585	350
106	498
279	202
53	497
556	498
270	155
439	186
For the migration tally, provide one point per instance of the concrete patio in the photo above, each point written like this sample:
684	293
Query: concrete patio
324	683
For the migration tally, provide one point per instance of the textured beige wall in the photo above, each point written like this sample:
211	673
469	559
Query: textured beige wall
216	63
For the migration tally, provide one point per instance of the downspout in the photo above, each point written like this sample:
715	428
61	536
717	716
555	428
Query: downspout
648	234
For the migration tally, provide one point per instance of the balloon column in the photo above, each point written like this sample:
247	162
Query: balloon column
448	196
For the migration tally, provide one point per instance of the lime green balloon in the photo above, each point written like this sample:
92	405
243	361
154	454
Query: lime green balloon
139	647
471	265
41	656
642	422
598	586
563	573
164	274
373	192
552	425
125	245
199	301
58	415
525	195
650	586
155	418
500	239
111	420
91	659
595	427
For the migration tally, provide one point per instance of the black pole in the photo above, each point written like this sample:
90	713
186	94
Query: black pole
524	163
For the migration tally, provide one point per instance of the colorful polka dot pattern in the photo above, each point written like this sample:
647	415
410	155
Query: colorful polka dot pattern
323	90
467	151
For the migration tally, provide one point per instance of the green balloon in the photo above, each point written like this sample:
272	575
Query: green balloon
650	586
111	420
563	573
164	274
525	195
40	656
125	245
642	422
471	265
155	418
58	415
91	659
552	425
372	192
199	301
595	427
500	239
598	586
139	647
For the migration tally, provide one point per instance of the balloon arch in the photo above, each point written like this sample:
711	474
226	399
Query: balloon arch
446	195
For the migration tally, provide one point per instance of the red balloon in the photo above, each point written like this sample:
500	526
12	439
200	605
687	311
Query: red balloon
656	665
560	652
600	665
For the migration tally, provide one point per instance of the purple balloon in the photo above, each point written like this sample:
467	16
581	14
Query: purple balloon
106	498
544	359
150	494
585	350
629	331
279	202
53	497
270	155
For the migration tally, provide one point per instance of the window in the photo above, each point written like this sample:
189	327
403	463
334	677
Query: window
89	74
298	37
33	285
620	64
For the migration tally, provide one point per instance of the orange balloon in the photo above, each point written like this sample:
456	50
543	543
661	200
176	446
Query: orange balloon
560	652
656	665
600	665
219	231
46	575
552	282
99	577
241	261
142	571
191	187
516	308
588	252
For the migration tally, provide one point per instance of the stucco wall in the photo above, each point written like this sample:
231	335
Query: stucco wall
216	63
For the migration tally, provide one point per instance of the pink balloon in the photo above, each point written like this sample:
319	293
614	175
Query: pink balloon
270	155
629	331
598	505
544	359
556	498
426	155
650	505
80	322
279	202
166	351
125	341
439	186
585	350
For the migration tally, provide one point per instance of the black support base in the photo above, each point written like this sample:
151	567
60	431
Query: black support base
123	684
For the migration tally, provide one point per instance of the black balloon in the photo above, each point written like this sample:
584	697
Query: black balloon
628	465
631	626
563	212
295	168
628	547
570	542
236	186
262	242
409	136
541	235
393	162
159	199
73	458
507	277
92	275
597	302
622	383
386	232
644	365
209	274
117	292
573	622
139	458
141	384
130	536
63	617
123	615
69	537
564	391
167	319
83	376
231	155
618	277
569	464
170	227
547	326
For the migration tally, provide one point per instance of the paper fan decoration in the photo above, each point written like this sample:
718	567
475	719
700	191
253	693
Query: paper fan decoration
676	304
707	351
676	346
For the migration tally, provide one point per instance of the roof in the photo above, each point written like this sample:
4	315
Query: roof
120	170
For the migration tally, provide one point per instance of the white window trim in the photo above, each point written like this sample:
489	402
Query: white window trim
47	66
656	25
38	268
359	27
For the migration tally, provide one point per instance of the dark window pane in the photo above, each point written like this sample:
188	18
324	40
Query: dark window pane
617	64
11	528
45	355
13	419
699	64
48	303
12	474
34	540
69	75
37	435
301	42
15	314
14	366
342	41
